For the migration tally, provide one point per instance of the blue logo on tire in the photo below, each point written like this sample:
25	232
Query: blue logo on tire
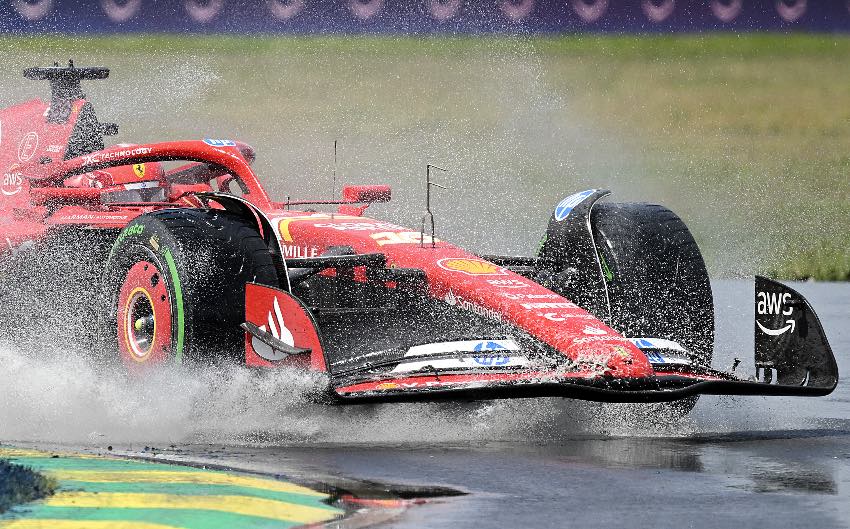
566	206
491	360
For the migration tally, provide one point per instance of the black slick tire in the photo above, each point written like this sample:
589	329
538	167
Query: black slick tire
658	285
657	281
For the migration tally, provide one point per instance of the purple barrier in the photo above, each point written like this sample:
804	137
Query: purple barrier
421	16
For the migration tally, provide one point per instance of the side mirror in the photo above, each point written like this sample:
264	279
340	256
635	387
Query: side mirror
367	194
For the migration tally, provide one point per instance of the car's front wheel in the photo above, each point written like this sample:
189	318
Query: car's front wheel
658	286
653	283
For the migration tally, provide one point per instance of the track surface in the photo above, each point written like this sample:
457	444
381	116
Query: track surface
747	462
742	462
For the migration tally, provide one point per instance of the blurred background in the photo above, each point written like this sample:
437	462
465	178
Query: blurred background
734	113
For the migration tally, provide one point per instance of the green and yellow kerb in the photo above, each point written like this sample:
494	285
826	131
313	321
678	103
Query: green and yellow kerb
108	492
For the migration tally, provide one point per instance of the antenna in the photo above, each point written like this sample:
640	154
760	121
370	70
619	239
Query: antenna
333	186
428	214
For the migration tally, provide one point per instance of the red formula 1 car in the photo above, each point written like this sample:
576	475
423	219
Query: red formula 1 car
188	258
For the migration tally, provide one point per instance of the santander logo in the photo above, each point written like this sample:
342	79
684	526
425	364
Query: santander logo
277	328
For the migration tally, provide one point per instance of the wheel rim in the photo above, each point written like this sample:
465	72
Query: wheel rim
442	10
144	317
203	12
119	11
33	10
517	10
726	10
286	9
365	9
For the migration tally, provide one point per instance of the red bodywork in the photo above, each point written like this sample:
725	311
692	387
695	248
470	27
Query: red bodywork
36	197
108	188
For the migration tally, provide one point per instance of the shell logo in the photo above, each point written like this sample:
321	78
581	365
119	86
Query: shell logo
471	267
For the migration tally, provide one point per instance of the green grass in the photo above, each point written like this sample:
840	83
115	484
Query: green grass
624	47
19	484
745	136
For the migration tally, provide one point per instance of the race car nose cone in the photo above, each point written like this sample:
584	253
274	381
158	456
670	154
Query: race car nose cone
628	362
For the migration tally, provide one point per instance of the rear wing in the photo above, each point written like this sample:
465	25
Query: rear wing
65	89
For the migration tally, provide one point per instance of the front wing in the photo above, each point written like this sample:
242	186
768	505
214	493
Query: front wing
792	357
660	388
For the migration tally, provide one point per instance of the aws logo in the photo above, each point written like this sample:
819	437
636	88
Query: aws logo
774	304
12	181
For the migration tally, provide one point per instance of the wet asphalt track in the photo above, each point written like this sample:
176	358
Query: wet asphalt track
744	462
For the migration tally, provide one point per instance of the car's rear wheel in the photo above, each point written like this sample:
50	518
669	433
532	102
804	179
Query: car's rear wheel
175	286
658	285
